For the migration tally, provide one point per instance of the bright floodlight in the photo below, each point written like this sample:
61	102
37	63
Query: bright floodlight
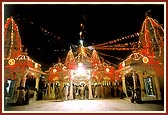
81	42
80	70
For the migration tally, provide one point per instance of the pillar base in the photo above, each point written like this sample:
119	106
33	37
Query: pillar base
91	97
70	97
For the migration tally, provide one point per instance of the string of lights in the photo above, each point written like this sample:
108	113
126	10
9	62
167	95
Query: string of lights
107	62
132	44
110	56
44	30
119	49
117	40
14	34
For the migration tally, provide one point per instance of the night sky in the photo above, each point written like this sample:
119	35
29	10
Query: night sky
48	30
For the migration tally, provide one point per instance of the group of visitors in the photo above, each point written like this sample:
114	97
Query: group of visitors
104	91
82	91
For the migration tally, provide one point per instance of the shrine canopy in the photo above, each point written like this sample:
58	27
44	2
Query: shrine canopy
16	62
88	59
151	47
152	41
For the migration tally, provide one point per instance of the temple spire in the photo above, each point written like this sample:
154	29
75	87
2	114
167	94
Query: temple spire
151	37
12	39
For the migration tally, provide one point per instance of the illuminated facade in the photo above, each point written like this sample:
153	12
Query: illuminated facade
21	73
144	68
82	67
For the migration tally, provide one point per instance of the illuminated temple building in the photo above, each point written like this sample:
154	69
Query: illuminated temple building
84	67
145	66
20	71
143	69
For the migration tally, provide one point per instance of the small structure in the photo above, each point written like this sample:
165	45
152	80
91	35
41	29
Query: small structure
21	73
82	68
144	68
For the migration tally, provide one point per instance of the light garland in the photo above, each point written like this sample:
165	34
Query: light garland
133	44
13	35
117	40
121	49
11	61
9	20
152	42
43	29
109	62
110	56
145	60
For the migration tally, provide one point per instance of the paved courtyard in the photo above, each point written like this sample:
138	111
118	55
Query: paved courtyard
86	106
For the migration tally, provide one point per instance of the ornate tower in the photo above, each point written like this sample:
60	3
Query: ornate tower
152	39
69	59
12	40
95	58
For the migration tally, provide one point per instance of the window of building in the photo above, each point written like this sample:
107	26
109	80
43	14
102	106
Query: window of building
149	86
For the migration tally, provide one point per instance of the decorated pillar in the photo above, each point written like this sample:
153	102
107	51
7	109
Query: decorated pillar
134	79
102	89
61	85
52	90
23	83
90	90
102	84
71	90
48	90
36	87
61	89
21	92
124	85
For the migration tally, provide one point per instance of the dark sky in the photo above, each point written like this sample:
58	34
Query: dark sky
48	30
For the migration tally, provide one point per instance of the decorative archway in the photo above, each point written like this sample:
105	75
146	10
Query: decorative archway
130	83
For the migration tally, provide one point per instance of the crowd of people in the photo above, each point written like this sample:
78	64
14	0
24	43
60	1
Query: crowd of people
82	91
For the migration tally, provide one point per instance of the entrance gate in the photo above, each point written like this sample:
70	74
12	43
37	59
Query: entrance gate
78	77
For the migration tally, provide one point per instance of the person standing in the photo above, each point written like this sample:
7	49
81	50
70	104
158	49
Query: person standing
65	92
120	92
74	91
86	92
27	97
56	92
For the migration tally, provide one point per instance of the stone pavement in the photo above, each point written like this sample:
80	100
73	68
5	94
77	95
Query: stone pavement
115	105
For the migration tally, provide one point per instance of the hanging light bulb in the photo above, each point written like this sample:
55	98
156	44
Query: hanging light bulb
81	42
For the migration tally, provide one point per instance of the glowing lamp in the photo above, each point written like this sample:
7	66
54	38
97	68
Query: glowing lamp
80	70
54	70
11	62
145	60
81	24
80	33
107	69
64	68
36	65
81	42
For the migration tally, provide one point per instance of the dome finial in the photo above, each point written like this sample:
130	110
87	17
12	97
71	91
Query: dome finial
148	13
